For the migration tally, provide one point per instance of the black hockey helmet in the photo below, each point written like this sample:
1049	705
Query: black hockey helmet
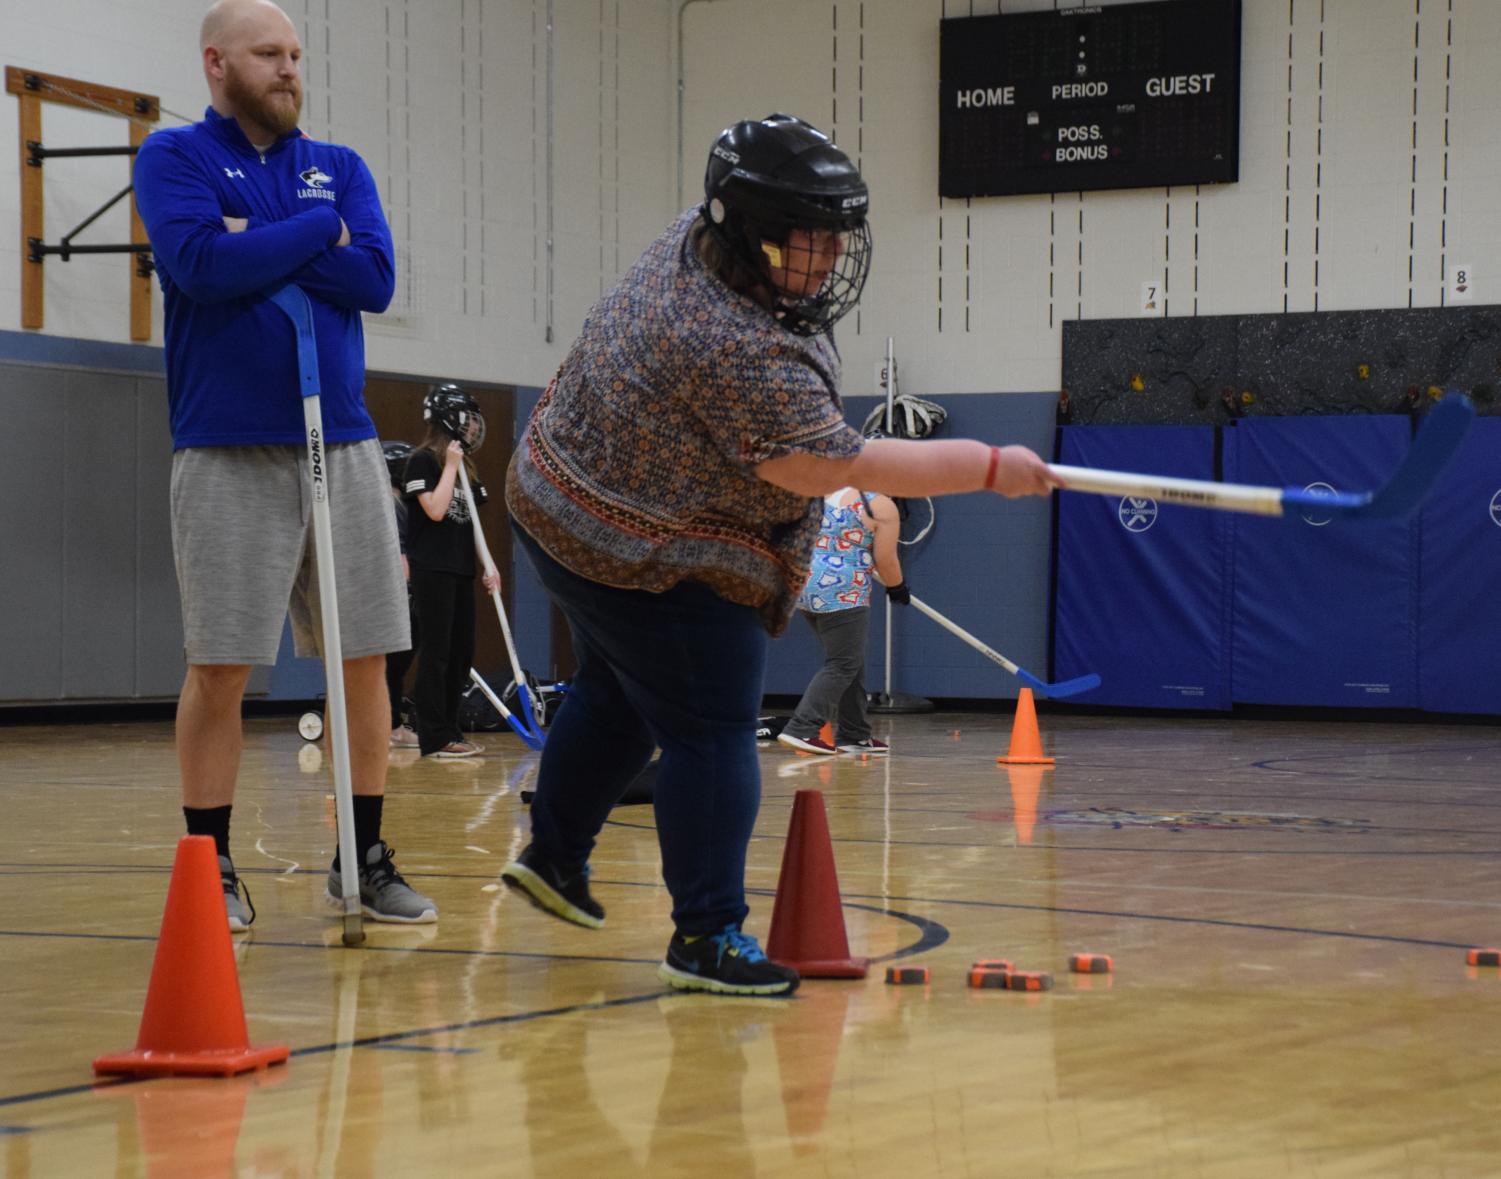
396	455
768	177
455	411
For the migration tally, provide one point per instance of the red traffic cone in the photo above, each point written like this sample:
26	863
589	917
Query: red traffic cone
807	923
1026	742
194	1022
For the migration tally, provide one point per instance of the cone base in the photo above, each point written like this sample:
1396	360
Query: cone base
1026	761
144	1062
829	967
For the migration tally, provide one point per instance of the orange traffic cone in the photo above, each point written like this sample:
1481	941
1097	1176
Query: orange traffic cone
1026	743
194	1022
807	923
1026	785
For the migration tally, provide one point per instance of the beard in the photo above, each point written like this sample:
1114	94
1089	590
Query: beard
275	107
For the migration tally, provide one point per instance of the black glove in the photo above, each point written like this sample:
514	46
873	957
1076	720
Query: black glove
899	593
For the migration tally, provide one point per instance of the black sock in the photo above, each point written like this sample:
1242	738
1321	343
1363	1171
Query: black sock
210	820
367	813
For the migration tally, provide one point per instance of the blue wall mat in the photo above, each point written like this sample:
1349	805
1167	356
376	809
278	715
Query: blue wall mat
1459	643
984	565
1324	614
1143	590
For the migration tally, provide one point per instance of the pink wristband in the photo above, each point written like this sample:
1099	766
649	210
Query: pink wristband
995	460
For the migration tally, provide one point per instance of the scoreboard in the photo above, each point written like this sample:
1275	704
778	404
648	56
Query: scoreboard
1101	96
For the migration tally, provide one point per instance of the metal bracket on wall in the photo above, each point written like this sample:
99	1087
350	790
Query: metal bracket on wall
32	89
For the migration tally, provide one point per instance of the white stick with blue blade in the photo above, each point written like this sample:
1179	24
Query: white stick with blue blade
1057	691
526	724
294	303
1438	440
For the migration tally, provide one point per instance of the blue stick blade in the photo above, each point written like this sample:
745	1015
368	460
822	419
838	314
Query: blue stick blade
1438	440
529	738
1073	687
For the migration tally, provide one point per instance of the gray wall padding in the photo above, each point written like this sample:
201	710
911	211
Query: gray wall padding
89	594
1327	362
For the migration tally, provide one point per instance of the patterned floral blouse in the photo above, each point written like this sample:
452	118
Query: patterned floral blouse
636	469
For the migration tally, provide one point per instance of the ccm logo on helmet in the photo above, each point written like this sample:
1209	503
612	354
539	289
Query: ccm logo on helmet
725	153
854	202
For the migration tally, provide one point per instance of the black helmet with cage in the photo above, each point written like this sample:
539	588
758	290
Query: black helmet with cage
396	455
454	410
765	179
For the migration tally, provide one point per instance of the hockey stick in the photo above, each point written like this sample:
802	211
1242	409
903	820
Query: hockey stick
1071	687
527	729
509	717
1438	440
294	303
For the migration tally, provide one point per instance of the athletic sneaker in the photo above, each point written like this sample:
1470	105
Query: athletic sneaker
545	886
813	744
241	912
872	746
402	737
384	895
726	963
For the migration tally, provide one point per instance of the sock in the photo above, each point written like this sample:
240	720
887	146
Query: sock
210	820
367	814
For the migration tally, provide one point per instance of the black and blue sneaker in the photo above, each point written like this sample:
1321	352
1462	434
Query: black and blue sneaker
552	890
727	963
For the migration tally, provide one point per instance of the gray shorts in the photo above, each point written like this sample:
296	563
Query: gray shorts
242	534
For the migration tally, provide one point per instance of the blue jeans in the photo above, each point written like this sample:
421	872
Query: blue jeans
680	670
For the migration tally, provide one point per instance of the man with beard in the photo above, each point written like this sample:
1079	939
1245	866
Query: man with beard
237	206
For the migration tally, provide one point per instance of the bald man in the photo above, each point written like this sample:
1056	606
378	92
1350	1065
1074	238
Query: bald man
237	206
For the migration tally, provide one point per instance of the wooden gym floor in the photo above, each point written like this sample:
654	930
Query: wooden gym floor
1287	904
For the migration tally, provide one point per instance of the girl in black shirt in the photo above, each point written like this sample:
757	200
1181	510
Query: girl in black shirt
440	551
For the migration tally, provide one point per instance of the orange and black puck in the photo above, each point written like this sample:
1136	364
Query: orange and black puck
1090	963
992	964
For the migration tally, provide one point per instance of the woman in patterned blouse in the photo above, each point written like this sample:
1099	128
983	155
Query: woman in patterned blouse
668	489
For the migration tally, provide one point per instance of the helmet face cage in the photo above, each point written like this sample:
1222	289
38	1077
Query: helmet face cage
790	206
457	414
805	305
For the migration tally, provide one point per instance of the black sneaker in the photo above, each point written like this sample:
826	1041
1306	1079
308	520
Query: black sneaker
727	963
545	886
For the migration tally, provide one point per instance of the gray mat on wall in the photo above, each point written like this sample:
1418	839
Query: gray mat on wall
1207	369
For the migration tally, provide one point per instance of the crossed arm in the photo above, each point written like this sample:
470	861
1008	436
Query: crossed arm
214	258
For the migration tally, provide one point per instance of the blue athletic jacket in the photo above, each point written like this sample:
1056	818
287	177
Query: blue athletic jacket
231	356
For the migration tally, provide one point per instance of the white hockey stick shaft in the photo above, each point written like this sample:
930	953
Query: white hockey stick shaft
489	694
293	302
1230	497
488	564
959	632
333	673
